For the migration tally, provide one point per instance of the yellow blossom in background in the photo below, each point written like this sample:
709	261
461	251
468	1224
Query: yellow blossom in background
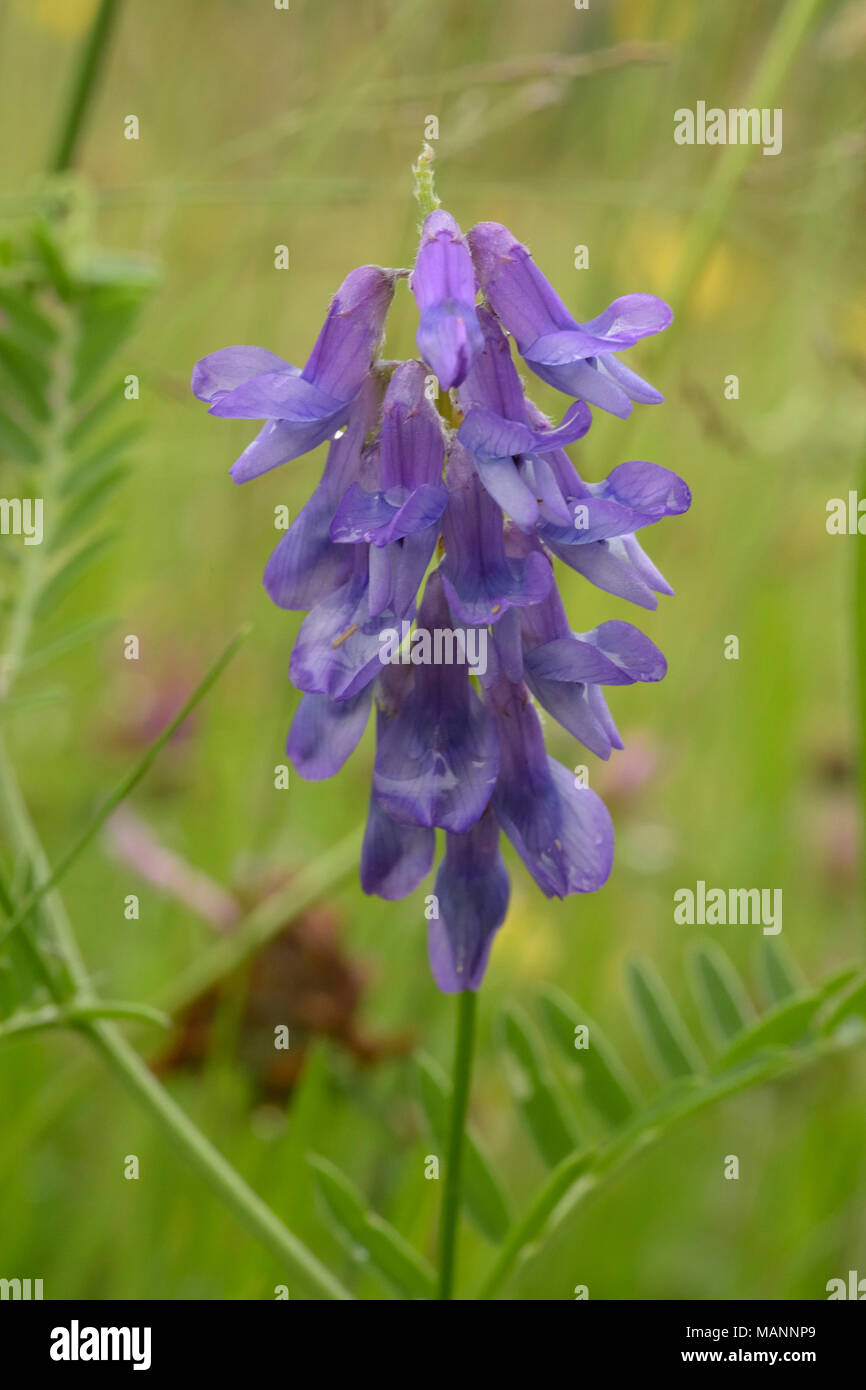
66	17
638	19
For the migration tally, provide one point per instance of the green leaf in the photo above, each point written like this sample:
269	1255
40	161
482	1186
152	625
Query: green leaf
606	1082
368	1237
851	1005
668	1041
66	642
27	375
518	1241
101	461
15	443
88	421
784	1025
68	575
533	1086
28	321
483	1194
720	993
781	977
52	261
88	504
106	317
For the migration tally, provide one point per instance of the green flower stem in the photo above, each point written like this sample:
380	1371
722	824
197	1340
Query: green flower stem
463	1052
83	86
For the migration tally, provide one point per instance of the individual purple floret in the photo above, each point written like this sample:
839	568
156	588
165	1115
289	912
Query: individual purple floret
575	358
424	561
443	283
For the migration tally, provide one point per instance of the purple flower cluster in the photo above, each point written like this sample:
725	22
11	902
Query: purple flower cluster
443	469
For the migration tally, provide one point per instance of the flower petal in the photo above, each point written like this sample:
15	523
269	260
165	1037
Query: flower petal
394	858
472	889
221	372
443	283
325	732
352	332
438	757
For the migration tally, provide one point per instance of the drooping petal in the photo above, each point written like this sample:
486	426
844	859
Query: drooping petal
352	332
280	441
492	380
517	292
580	858
574	358
622	324
524	798
325	732
413	448
220	372
394	858
279	396
438	757
339	649
480	582
608	565
562	832
443	283
377	519
306	566
472	890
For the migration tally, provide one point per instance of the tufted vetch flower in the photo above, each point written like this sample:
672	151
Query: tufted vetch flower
446	501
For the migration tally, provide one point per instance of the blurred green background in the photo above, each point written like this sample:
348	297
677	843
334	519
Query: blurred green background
260	127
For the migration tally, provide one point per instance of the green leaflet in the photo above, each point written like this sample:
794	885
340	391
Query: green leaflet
668	1041
851	1005
781	1027
779	975
15	442
69	573
368	1237
101	461
721	997
483	1193
87	505
534	1088
26	376
606	1082
28	322
106	315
